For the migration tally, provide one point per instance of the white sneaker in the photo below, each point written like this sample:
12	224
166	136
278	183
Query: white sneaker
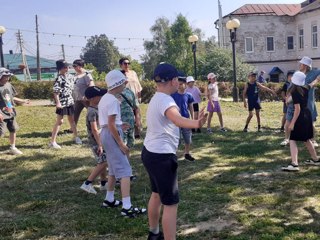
77	140
54	145
291	168
284	142
315	144
15	151
88	188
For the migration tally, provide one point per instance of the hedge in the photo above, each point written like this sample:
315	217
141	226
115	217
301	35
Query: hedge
43	90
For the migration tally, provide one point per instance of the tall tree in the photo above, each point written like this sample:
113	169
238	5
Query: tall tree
101	52
155	49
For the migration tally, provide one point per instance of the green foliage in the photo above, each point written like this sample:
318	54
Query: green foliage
101	52
95	74
137	67
219	61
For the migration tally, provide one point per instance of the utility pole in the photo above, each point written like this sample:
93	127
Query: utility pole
63	53
25	66
38	51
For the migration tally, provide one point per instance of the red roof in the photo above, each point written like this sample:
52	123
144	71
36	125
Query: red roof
268	9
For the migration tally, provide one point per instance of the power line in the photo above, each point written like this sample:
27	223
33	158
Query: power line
81	36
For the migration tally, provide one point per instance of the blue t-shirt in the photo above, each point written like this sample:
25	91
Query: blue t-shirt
183	101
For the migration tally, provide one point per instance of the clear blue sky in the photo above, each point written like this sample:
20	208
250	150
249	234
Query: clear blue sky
117	19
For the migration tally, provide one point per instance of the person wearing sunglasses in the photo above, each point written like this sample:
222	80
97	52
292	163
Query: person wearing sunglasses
134	85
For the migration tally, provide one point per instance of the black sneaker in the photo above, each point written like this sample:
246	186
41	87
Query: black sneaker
245	130
189	157
193	130
107	204
198	130
153	236
132	212
133	178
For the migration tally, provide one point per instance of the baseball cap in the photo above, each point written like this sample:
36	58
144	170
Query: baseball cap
60	64
306	61
165	72
115	78
5	72
290	73
252	74
298	78
181	77
94	91
211	75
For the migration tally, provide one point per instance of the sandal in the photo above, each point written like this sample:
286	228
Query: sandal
107	204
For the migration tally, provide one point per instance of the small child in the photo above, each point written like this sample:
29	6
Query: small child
213	102
301	127
196	94
62	93
117	152
185	101
7	109
284	123
251	90
94	94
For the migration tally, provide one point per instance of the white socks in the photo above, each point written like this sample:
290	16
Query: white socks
110	196
126	202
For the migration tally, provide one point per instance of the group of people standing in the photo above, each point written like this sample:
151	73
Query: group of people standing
113	113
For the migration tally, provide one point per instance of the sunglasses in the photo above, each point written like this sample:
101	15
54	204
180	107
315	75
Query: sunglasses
126	63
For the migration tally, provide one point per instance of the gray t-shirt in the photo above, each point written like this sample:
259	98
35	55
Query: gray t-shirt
7	93
80	85
92	116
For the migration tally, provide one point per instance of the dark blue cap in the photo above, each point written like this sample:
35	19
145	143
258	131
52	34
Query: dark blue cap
94	91
165	72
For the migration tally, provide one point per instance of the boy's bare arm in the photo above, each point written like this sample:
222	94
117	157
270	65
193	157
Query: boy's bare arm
114	132
95	132
20	100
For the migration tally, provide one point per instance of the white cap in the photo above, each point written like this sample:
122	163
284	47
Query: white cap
211	75
5	72
115	78
190	79
298	78
306	61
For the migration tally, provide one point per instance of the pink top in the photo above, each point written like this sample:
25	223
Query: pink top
195	92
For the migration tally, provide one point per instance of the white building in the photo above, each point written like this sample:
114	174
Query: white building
273	37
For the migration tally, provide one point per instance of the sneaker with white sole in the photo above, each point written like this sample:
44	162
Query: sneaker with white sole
285	142
223	129
313	162
15	151
54	145
315	144
88	188
291	168
77	140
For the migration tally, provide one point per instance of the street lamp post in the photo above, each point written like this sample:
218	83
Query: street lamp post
193	40
232	26
2	31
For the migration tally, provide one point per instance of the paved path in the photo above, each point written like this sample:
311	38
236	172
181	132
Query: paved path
39	102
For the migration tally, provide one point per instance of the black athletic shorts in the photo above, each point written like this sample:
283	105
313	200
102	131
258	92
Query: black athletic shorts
196	107
162	170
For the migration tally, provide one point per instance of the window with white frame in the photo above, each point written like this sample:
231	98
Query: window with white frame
270	44
301	38
290	42
249	44
314	37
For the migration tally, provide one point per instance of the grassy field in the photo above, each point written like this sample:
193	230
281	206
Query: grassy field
235	189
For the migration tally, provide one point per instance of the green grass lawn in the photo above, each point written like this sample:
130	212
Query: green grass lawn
235	189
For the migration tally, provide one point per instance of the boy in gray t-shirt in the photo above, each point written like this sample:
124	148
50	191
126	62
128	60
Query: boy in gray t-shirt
94	94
